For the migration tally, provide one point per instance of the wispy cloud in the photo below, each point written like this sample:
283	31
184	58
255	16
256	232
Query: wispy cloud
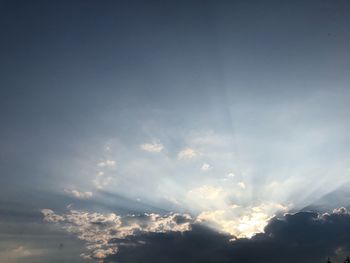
78	194
22	251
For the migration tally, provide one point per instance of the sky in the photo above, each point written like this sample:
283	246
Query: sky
174	131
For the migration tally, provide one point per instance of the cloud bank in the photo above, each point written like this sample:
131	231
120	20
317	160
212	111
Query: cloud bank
300	237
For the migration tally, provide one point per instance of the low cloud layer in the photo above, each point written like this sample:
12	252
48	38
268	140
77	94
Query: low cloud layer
300	237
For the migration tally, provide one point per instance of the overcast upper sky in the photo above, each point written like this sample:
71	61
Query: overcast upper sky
133	127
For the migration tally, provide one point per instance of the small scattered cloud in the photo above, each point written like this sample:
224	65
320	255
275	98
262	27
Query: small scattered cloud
205	167
187	153
152	147
241	185
107	163
231	175
101	181
78	194
22	251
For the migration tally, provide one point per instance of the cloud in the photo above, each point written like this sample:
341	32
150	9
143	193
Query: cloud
107	163
97	229
241	185
78	194
231	175
20	253
101	182
205	167
187	153
240	221
152	147
301	237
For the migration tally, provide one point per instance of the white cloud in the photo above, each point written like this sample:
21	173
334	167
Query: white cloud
241	185
98	229
152	147
205	167
107	163
231	175
78	194
187	153
101	182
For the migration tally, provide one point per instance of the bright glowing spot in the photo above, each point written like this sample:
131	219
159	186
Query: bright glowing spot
240	221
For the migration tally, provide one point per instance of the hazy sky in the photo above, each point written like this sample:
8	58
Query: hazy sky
225	112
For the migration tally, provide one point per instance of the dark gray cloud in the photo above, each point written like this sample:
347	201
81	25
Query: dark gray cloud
301	237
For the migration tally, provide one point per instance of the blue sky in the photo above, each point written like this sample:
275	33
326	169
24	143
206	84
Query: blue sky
228	113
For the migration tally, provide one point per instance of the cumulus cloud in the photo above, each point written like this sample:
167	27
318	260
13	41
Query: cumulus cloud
97	229
187	153
78	194
152	147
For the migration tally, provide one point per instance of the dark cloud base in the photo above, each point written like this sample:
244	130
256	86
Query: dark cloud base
301	237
